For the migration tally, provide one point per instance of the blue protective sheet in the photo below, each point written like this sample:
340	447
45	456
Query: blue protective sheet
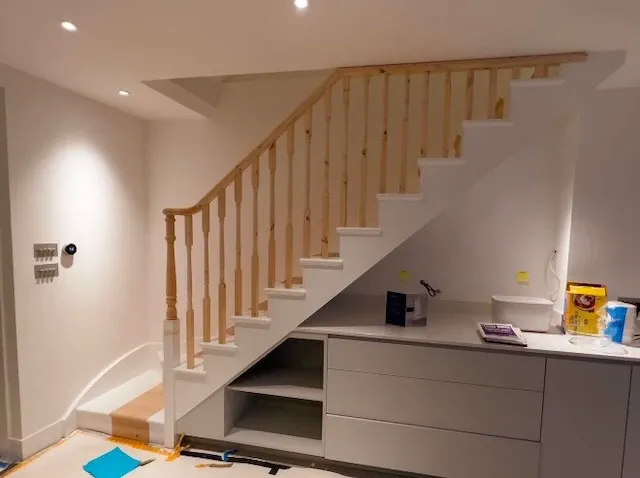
114	464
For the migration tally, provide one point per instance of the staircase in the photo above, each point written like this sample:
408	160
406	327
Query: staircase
459	144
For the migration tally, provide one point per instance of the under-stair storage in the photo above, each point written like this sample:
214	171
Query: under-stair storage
279	402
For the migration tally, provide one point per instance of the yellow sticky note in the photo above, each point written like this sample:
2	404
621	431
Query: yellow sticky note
404	276
522	277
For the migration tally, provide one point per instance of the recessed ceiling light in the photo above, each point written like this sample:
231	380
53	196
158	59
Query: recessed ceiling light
301	4
70	27
123	93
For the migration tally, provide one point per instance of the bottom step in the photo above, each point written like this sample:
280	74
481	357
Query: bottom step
132	410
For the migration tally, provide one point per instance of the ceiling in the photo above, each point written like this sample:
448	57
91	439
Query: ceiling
122	43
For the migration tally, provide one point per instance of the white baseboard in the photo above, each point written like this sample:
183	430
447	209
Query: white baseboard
121	370
40	440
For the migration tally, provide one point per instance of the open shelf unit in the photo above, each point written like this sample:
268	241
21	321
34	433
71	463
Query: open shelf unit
279	402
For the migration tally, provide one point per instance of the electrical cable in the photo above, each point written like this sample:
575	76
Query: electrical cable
554	295
430	290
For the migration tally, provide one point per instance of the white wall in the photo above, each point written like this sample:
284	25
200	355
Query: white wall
9	386
505	224
566	157
77	174
605	230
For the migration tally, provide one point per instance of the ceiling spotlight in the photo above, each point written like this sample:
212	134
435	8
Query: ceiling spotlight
123	93
301	4
70	27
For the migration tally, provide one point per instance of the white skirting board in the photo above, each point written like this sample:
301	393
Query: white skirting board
129	365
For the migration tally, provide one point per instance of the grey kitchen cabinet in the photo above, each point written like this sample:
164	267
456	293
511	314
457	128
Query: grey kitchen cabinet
631	464
584	419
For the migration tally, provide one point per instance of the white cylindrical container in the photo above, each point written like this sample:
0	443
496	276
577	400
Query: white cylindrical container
531	314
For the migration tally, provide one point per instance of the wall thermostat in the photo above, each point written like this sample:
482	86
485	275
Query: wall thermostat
70	249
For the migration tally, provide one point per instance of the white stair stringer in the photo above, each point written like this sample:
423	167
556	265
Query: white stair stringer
536	105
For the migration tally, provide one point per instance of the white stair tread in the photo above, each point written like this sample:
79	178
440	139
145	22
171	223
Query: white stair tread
359	231
487	123
157	419
318	263
214	347
119	396
291	383
262	321
275	441
533	82
426	162
399	197
283	292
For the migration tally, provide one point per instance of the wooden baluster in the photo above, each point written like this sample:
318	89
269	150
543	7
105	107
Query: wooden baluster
457	146
255	258
171	292
271	271
364	174
424	150
404	146
190	329
446	128
539	71
326	204
470	80
493	93
499	110
288	260
385	136
306	233
222	286
516	73
346	86
238	287
206	301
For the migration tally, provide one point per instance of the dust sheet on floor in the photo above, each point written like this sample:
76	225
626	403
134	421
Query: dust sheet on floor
67	459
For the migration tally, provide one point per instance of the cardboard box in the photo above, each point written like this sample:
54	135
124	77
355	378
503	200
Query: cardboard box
582	308
406	310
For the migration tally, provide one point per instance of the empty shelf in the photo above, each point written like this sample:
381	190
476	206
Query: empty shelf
275	441
281	424
304	384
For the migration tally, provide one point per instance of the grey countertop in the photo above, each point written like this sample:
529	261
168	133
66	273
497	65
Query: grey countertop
450	324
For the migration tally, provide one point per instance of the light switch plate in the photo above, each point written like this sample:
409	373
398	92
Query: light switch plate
45	271
45	251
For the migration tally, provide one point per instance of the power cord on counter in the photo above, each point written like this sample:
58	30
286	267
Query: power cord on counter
430	290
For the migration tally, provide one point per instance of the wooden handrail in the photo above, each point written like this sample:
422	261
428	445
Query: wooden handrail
461	65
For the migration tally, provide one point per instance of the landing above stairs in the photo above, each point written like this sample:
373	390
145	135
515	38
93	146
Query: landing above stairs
132	410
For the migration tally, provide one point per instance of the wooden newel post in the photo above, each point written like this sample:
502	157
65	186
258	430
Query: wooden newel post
171	336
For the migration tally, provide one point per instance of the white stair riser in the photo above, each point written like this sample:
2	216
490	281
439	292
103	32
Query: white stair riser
316	278
441	184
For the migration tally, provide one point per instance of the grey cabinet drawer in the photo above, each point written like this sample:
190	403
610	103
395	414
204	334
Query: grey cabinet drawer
427	450
436	363
453	406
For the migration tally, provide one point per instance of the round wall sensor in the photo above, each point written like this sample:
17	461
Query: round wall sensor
70	249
